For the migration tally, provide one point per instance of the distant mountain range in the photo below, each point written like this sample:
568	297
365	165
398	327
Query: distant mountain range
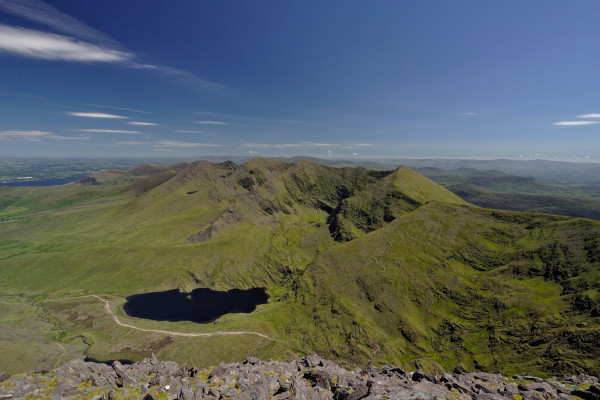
553	172
571	189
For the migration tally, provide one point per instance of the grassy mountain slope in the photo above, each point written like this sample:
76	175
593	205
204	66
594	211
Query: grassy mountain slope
488	289
361	265
196	220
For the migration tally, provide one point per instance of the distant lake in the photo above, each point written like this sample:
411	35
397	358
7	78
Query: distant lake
123	361
45	182
201	305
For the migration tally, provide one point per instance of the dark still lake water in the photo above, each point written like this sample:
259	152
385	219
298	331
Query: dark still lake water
45	182
202	305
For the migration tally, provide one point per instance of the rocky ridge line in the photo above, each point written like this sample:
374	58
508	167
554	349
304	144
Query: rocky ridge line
309	378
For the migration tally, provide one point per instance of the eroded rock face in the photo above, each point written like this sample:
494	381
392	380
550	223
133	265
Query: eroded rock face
309	378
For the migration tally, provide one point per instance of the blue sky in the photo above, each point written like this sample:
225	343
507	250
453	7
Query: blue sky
345	79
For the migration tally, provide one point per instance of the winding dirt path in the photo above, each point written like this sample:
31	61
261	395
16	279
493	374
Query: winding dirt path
172	333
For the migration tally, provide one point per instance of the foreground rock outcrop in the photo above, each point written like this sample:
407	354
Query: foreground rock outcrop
308	378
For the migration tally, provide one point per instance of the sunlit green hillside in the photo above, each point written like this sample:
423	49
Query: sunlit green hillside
362	266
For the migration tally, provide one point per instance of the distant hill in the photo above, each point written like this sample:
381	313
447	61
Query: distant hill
553	172
547	204
495	189
360	265
488	179
135	174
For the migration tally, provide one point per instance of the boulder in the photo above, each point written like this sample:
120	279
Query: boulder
218	371
252	361
319	378
311	361
418	376
543	387
124	378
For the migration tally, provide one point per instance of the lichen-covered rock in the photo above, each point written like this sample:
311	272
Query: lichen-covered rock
310	378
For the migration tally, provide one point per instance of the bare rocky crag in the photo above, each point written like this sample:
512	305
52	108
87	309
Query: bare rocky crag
308	378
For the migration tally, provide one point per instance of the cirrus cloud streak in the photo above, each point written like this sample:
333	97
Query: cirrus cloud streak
212	123
589	116
49	46
129	142
285	145
176	143
86	44
575	123
142	123
96	115
35	136
105	131
51	16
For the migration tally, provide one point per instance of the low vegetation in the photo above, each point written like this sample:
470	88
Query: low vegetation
361	266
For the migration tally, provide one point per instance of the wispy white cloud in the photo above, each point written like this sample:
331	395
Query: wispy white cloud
252	119
32	134
177	143
161	149
204	133
137	123
179	75
104	131
35	136
29	136
186	78
270	146
95	46
96	115
58	137
115	108
49	46
575	123
285	145
313	144
52	17
73	104
303	144
129	142
589	116
212	123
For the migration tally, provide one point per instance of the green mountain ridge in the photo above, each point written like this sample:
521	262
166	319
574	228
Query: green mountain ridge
361	266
